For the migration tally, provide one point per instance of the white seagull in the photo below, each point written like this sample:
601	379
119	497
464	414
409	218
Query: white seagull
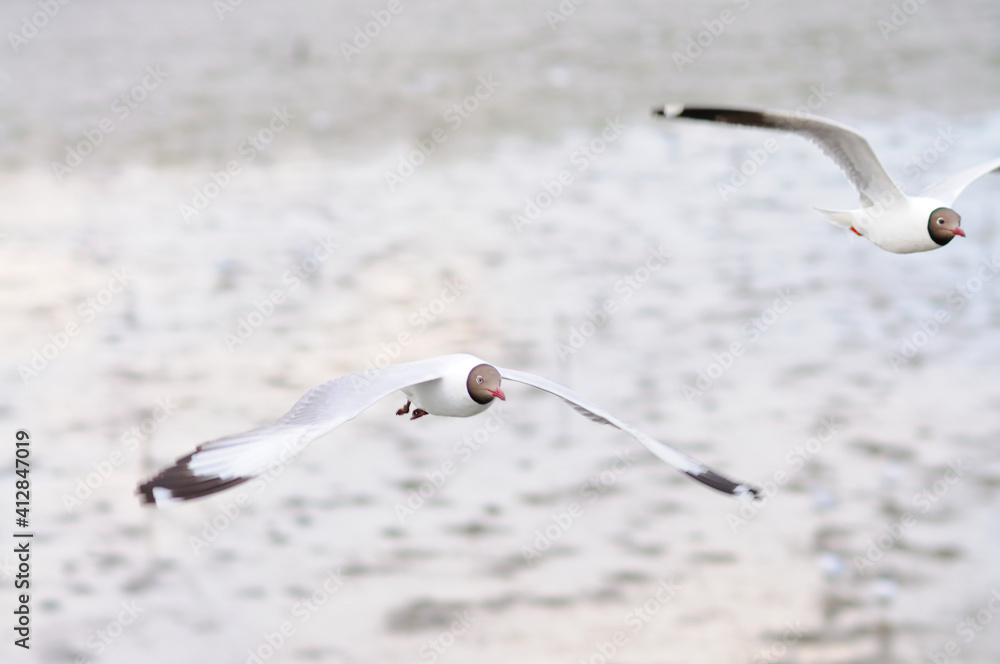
450	385
888	218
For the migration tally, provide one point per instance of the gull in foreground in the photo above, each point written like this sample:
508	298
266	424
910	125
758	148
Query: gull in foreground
449	385
888	218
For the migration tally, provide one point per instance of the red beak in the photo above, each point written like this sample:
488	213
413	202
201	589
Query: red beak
959	231
498	393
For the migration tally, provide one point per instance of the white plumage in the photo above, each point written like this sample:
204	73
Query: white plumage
439	386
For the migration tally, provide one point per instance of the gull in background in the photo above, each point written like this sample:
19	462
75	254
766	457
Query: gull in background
888	218
449	385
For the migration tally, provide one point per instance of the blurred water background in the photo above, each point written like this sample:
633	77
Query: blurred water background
253	216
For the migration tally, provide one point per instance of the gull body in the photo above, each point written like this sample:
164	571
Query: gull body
893	227
448	395
458	385
888	218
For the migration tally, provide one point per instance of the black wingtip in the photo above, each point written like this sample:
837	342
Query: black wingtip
735	116
178	483
725	485
145	493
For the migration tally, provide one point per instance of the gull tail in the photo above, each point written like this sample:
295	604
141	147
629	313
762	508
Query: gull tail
844	218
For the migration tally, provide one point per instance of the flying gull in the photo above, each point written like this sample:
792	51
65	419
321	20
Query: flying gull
888	218
449	385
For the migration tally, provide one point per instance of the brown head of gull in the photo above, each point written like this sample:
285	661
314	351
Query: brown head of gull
484	384
943	225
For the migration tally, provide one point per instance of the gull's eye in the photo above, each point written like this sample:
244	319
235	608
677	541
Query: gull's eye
479	379
940	221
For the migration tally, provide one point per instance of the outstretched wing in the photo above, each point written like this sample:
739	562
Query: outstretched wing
948	190
225	462
846	147
678	460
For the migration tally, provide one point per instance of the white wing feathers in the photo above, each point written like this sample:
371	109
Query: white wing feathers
678	460
948	190
225	462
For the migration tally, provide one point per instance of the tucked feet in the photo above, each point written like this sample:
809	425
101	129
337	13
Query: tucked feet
417	412
404	410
